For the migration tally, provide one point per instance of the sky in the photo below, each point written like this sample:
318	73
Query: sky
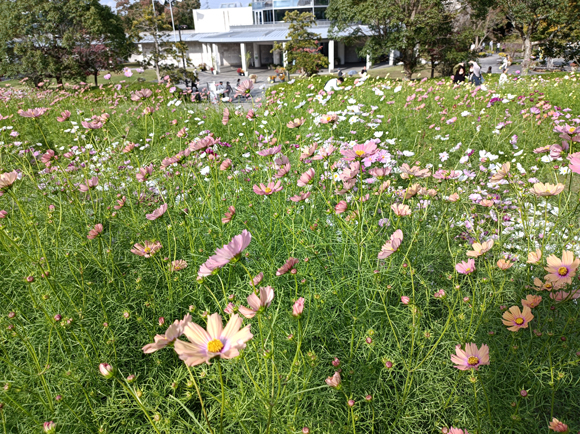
109	3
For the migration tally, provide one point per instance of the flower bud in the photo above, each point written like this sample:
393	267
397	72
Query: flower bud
49	427
106	370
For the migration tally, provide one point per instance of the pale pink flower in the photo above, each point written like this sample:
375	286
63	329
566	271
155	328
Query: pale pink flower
230	308
405	299
32	113
561	270
106	370
298	307
173	332
575	162
471	358
94	233
270	151
120	203
392	245
226	116
532	301
457	431
466	267
148	249
334	381
341	207
534	257
234	248
128	73
107	76
229	215
480	249
380	172
93	125
256	303
307	152
328	118
296	123
144	173
359	151
453	198
267	189
217	341
324	153
501	173
63	116
49	427
413	172
306	177
563	295
401	210
3	213
352	171
517	319
141	94
91	183
226	164
157	213
257	279
503	264
129	147
558	426
541	189
300	197
177	265
244	88
7	179
288	267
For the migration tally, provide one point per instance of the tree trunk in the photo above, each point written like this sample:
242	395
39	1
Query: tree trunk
96	73
432	69
527	54
408	70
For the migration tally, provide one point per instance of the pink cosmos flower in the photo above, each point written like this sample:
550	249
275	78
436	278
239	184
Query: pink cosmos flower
574	162
298	307
257	279
106	370
561	270
3	213
324	153
226	164
480	249
306	177
49	427
270	151
300	197
120	203
563	295
413	172
334	381
94	233
457	431
267	190
380	172
91	183
401	210
329	118
157	213
307	153
107	76
128	148
217	341
534	257
256	303
32	113
465	267
234	248
517	319
405	300
173	332
148	249
296	123
352	171
341	207
141	94
209	267
558	426
359	151
7	179
471	358
127	73
244	88
229	215
226	116
144	173
288	267
177	265
532	301
392	245
541	189
93	125
64	116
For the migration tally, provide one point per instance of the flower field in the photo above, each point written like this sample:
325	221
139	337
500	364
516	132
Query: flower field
396	257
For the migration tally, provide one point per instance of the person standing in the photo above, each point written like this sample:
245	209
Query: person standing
497	48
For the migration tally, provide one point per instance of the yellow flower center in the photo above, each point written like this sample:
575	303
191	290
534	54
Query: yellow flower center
473	361
562	271
548	286
215	346
147	250
572	129
268	190
519	321
359	152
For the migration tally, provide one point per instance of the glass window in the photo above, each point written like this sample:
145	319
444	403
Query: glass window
320	13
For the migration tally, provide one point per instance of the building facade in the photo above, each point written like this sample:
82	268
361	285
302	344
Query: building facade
242	35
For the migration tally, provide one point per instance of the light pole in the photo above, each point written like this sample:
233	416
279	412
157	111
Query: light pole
171	12
182	27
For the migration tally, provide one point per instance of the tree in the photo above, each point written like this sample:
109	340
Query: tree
403	25
303	50
528	17
52	39
560	38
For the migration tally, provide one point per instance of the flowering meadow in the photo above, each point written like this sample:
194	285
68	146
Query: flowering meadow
396	257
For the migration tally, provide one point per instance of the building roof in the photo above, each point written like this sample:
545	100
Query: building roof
238	34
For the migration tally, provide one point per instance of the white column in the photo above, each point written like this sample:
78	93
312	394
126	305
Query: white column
330	56
284	56
243	51
276	57
392	58
216	56
341	57
369	63
256	50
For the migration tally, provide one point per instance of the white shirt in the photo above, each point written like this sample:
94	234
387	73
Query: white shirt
332	85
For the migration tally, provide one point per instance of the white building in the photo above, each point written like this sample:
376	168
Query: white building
243	35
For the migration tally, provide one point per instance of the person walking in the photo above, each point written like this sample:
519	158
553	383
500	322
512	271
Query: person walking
497	48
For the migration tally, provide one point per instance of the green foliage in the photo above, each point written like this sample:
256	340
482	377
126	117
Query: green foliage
69	303
59	39
303	50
